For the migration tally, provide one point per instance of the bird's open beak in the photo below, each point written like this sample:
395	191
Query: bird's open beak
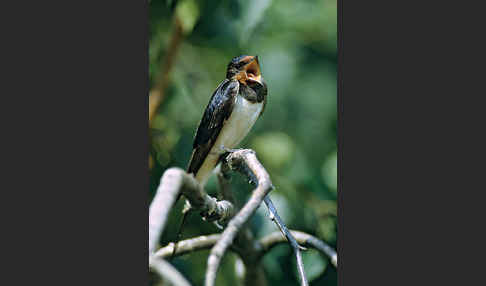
251	71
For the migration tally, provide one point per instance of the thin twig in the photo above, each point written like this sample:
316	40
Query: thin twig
244	161
271	240
293	243
185	214
167	271
188	245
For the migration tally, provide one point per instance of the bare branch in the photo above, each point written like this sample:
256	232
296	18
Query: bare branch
245	247
167	271
224	178
290	238
188	245
244	161
265	245
271	240
165	197
174	181
244	243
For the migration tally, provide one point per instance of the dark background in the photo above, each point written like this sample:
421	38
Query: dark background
295	139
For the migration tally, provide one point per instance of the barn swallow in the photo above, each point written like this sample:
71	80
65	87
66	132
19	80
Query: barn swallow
230	114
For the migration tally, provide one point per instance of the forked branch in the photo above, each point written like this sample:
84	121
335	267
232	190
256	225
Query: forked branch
176	181
173	182
244	161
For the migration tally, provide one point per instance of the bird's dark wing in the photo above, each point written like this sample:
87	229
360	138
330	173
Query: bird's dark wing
217	111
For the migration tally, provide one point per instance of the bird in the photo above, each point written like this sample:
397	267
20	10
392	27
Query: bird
236	104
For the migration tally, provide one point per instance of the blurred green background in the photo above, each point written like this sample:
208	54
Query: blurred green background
295	139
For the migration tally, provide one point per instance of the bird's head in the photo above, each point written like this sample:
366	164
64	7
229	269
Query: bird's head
244	68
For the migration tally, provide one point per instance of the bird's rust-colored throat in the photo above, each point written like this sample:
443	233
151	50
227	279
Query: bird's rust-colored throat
250	71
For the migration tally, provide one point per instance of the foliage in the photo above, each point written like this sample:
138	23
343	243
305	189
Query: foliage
295	139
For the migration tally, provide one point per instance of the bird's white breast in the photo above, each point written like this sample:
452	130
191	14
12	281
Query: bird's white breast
235	129
241	120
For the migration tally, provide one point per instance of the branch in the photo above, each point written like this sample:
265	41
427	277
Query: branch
188	245
244	243
248	251
164	199
210	208
271	240
224	182
246	162
167	271
265	245
290	238
174	181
